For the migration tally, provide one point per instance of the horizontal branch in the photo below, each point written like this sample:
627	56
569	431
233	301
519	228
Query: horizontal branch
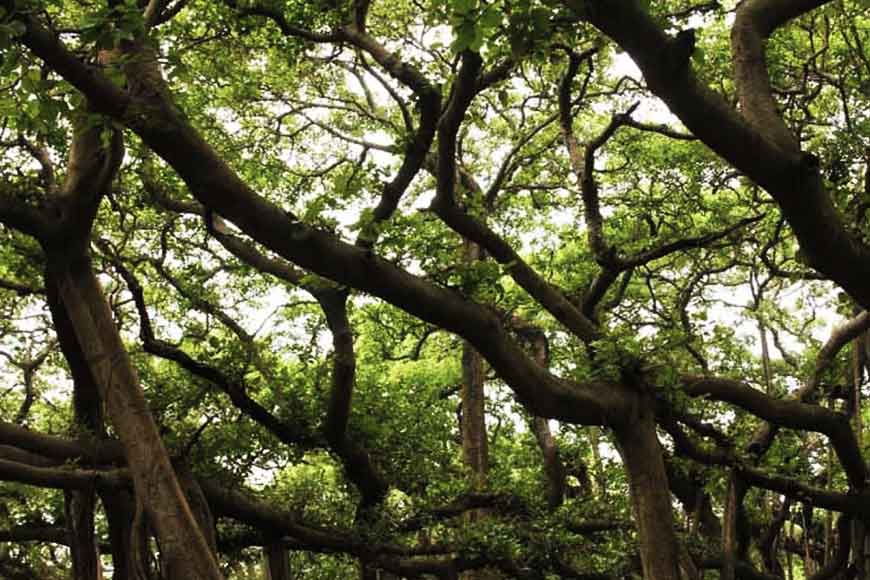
31	533
90	450
61	478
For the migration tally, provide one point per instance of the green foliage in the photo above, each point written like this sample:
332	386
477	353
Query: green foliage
321	129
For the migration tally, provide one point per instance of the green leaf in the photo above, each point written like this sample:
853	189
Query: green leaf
465	36
463	7
490	18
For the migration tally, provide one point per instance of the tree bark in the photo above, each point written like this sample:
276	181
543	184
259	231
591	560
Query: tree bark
198	505
79	509
475	449
474	444
651	500
554	468
120	507
277	562
183	547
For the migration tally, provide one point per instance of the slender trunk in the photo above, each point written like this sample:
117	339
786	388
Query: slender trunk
599	476
129	562
79	508
859	361
829	519
474	444
553	466
809	562
184	549
859	541
277	562
729	530
765	358
651	499
475	450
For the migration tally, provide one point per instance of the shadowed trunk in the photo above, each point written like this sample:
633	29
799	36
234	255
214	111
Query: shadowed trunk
554	468
277	562
120	508
79	505
198	505
79	509
474	444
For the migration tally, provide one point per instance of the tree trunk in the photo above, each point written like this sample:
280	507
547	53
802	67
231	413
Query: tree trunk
277	562
183	547
650	496
859	544
475	448
79	510
729	528
198	505
474	444
554	469
128	561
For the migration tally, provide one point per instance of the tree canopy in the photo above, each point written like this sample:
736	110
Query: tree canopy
434	289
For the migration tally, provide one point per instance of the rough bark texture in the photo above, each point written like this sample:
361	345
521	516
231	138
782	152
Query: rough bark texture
475	449
198	505
119	507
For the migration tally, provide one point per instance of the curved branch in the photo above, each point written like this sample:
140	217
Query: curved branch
792	179
236	390
790	414
356	460
157	120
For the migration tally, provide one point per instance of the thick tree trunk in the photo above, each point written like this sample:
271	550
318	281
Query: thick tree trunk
650	495
79	505
183	547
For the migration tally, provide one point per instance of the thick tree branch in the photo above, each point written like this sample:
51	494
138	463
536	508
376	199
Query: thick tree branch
793	180
790	414
58	477
32	533
20	289
18	214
